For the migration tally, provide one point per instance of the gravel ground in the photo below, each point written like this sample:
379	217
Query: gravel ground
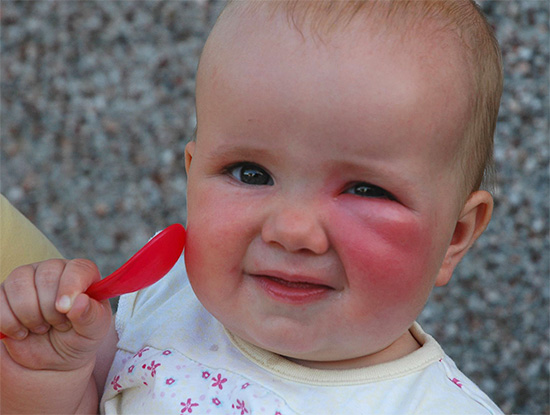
97	104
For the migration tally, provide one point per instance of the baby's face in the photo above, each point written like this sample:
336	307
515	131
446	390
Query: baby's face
322	189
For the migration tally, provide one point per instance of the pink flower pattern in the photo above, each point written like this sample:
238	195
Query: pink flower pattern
188	406
240	405
219	381
456	382
116	385
140	353
152	367
223	394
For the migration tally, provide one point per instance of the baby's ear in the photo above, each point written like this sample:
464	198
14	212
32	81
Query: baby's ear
472	221
189	150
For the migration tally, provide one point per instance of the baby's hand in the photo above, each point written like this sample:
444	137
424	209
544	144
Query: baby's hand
48	320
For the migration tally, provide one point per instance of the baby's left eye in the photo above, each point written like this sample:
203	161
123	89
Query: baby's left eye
369	190
250	173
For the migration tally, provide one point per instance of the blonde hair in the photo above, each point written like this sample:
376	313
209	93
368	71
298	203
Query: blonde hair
463	17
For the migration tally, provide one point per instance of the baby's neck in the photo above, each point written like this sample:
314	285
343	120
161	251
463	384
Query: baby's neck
403	346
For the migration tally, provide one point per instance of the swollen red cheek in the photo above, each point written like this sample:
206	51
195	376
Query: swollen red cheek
392	252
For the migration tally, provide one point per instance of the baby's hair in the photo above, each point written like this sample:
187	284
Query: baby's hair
462	17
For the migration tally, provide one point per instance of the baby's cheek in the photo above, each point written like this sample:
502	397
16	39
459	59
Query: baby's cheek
211	241
387	255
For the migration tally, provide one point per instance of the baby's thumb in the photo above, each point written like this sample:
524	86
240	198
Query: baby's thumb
90	318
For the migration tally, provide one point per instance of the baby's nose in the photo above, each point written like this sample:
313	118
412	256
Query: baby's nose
296	228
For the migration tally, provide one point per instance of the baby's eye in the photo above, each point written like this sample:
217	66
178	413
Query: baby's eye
250	173
369	190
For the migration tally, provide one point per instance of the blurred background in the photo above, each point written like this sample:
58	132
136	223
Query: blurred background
96	108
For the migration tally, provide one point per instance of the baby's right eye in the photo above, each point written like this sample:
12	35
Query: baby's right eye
370	190
250	173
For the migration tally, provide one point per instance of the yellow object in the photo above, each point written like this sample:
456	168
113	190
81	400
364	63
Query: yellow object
20	241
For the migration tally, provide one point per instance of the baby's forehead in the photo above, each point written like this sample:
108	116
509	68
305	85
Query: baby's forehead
429	29
420	26
353	56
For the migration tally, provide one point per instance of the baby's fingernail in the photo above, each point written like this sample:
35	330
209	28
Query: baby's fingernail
64	304
43	328
21	334
64	326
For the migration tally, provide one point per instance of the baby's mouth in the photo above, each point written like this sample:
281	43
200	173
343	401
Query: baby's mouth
295	291
295	284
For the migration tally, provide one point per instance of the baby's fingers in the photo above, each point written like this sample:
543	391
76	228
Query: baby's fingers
90	318
20	303
47	277
77	276
9	324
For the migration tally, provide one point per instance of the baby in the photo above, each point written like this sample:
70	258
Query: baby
334	181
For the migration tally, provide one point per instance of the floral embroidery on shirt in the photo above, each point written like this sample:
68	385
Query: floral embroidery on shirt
140	352
188	406
116	385
152	367
218	381
225	393
240	405
456	382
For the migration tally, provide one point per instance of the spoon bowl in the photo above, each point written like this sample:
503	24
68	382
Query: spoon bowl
147	266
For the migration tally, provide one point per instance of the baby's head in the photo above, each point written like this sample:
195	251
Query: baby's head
334	177
456	25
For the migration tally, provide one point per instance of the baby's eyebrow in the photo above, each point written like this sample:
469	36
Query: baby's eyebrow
236	151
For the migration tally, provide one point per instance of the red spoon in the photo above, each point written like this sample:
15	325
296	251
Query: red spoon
147	266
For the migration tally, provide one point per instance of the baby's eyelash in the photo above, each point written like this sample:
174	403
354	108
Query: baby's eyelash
249	173
364	189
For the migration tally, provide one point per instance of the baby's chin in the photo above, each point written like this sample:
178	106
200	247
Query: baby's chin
291	347
329	358
403	346
297	351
